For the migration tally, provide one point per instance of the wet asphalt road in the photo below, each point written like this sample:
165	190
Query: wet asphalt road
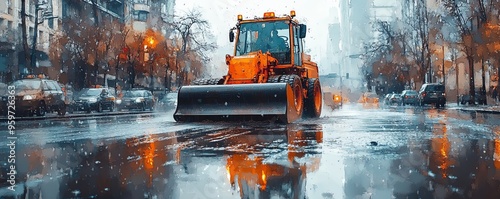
359	151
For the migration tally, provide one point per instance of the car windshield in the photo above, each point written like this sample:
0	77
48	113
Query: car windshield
133	94
412	92
435	88
23	85
261	36
91	92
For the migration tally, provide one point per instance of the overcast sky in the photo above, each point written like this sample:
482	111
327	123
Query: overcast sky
221	14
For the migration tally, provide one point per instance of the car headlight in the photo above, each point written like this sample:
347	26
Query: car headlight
118	101
28	97
139	100
93	100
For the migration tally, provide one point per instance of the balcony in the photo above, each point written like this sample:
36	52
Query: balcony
141	7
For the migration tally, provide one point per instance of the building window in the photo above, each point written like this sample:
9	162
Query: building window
31	32
40	36
141	15
51	23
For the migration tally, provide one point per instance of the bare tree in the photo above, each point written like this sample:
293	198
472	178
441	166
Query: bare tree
386	58
464	14
195	40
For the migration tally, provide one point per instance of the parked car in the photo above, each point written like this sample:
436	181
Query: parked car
93	99
168	102
39	96
479	98
432	94
409	97
395	99
369	97
136	99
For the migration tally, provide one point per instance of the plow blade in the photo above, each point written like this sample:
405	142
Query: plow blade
271	101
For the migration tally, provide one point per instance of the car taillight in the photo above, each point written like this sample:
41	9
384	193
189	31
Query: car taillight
406	96
424	94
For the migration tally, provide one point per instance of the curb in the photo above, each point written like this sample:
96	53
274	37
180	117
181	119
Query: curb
479	110
3	119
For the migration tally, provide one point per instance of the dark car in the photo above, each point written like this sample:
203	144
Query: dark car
432	94
93	99
136	99
39	96
4	94
409	97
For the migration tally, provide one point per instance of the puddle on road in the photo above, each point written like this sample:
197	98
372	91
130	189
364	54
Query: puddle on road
240	161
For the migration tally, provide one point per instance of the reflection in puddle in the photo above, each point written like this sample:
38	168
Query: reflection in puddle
263	177
259	161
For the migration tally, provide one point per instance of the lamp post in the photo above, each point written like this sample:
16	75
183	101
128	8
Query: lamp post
444	74
48	15
150	44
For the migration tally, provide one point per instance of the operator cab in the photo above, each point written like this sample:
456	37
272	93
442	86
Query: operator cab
270	34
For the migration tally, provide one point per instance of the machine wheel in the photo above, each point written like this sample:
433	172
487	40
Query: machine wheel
294	82
274	79
213	81
200	82
313	103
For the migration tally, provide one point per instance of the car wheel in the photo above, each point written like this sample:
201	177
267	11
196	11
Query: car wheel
41	109
62	110
99	107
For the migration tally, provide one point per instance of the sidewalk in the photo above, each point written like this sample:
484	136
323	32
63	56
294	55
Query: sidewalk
493	108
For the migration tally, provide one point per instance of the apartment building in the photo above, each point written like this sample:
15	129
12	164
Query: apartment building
12	55
50	15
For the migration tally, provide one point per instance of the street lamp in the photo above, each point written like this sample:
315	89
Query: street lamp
150	44
46	15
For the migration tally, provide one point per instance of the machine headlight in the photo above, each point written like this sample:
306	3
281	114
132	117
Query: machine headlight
118	101
139	100
93	100
28	97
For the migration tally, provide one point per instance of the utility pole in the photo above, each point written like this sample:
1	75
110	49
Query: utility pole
483	89
35	35
45	15
456	75
444	74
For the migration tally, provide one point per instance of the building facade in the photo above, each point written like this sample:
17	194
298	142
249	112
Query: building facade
50	17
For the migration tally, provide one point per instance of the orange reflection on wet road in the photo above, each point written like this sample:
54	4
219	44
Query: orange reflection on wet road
251	171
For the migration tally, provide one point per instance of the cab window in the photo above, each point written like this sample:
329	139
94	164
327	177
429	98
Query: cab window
297	47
